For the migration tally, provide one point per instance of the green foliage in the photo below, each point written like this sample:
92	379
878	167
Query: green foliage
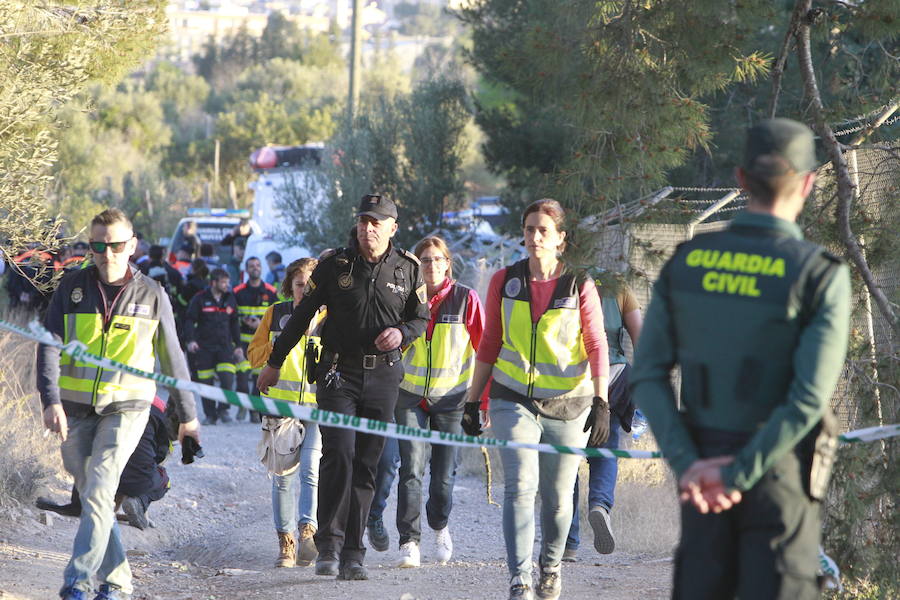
410	147
594	102
48	53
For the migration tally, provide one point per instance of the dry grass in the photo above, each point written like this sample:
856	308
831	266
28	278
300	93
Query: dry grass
645	518
28	458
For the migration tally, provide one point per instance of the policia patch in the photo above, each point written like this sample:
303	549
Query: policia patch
344	281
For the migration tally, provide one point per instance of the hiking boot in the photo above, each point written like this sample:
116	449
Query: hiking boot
307	552
135	513
73	594
443	544
287	550
353	572
409	556
519	590
255	417
209	421
326	565
241	414
226	418
110	593
378	535
550	585
570	555
604	542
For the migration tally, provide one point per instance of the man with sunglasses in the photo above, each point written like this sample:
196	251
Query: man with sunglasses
100	414
376	303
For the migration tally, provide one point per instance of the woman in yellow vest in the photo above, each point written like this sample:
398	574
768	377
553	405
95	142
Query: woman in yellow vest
293	386
438	369
545	347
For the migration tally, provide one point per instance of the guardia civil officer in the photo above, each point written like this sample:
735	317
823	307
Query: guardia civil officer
757	319
376	302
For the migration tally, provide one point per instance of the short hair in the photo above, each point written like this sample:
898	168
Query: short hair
765	190
111	216
256	258
273	256
297	266
551	208
434	241
206	249
199	268
156	252
218	273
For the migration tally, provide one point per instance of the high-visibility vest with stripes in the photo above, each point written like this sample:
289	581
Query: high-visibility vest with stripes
546	359
125	334
443	365
615	330
292	385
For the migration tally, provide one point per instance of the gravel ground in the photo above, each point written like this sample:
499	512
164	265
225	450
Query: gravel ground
214	539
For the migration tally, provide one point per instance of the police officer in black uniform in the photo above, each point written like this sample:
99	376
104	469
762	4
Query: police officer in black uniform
758	320
376	303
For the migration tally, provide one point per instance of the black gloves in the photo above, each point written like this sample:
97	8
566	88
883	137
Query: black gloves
597	422
471	420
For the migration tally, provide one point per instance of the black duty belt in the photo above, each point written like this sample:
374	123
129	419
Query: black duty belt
367	361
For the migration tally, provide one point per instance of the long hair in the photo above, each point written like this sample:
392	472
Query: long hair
434	241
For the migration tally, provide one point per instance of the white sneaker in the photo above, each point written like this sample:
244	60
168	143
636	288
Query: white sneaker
409	556
444	545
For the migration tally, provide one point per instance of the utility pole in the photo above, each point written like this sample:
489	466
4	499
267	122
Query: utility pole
355	42
216	170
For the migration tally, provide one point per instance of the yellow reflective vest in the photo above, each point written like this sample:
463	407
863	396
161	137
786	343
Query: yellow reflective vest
126	332
292	385
443	364
547	358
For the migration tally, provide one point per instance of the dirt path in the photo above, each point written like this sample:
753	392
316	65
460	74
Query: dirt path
214	540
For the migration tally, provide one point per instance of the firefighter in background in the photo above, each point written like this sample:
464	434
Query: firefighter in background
213	337
293	386
253	299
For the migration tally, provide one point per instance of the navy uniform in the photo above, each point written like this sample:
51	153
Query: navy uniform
213	324
353	377
757	319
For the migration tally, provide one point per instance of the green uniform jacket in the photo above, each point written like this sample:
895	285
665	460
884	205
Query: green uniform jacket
758	320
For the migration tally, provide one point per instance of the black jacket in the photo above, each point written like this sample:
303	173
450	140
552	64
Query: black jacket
363	299
212	324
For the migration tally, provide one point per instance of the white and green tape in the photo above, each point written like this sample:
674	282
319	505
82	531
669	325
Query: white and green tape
279	408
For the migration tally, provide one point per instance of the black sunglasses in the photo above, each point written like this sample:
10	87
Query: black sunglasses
100	247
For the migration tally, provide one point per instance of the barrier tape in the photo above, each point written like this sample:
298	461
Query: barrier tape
279	408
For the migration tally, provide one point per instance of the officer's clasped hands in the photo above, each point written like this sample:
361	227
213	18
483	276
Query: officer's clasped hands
389	339
702	486
598	423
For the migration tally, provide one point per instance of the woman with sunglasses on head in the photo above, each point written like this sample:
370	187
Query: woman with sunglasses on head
545	347
438	369
293	386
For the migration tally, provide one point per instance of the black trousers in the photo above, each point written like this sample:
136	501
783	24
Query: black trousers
350	459
764	547
211	362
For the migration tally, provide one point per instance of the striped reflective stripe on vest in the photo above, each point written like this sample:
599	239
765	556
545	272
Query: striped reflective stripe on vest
292	385
127	338
546	359
443	365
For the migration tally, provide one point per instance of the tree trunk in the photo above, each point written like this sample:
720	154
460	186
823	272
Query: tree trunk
841	171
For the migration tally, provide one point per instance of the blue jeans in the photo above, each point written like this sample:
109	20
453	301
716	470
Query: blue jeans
601	483
384	478
284	494
413	456
95	453
528	473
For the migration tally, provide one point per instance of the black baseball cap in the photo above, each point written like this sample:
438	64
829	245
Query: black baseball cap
777	146
377	206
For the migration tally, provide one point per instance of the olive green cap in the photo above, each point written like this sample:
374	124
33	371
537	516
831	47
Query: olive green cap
777	146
